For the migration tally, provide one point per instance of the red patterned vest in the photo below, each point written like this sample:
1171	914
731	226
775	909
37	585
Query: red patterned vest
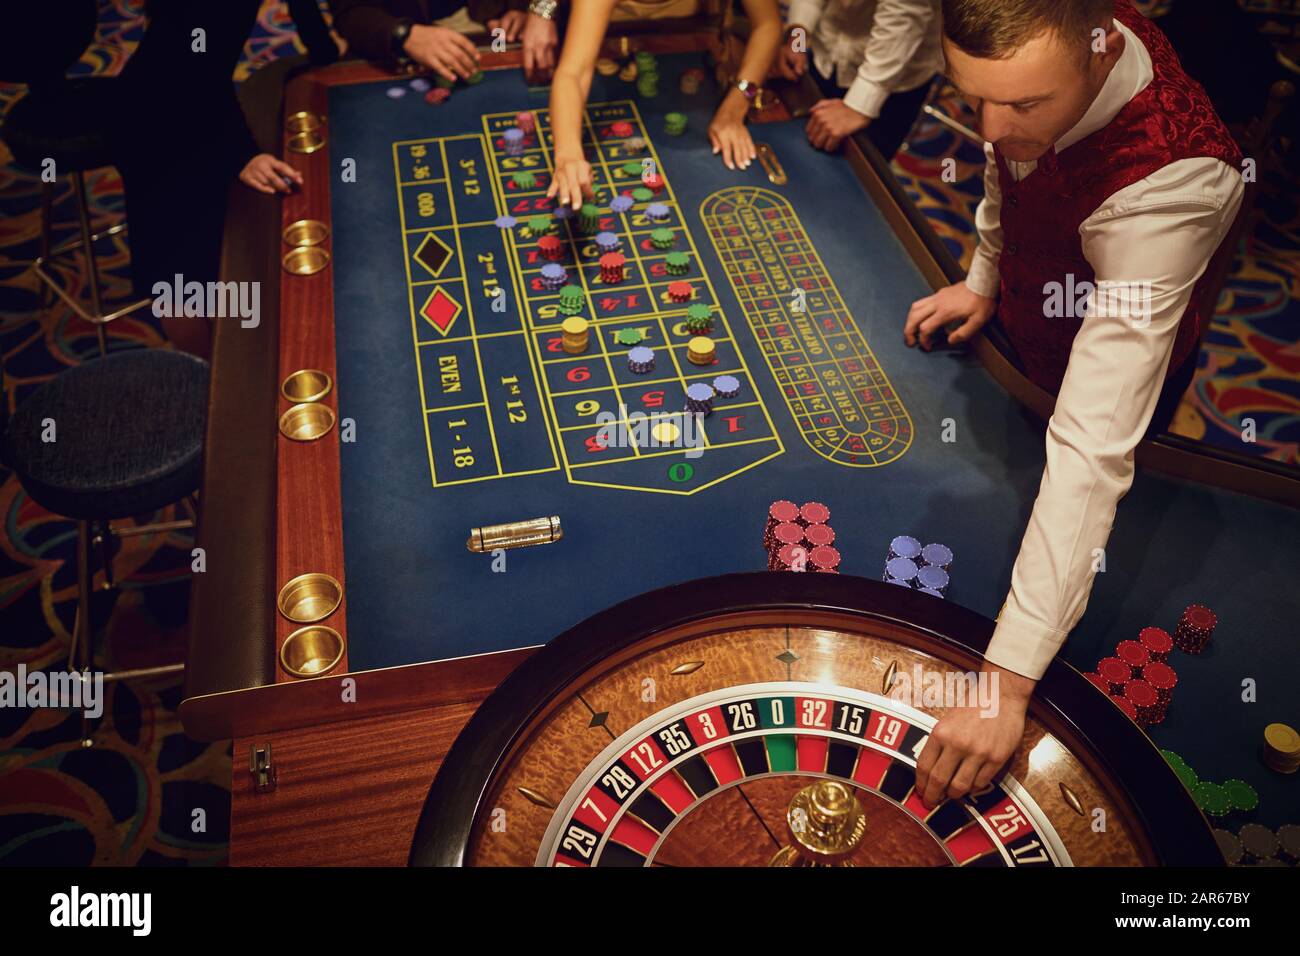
1171	119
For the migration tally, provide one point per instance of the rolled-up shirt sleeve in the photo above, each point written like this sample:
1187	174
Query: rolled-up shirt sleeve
1156	236
982	277
897	31
805	13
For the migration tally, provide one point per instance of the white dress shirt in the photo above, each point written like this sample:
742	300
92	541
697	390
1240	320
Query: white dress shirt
872	47
1163	230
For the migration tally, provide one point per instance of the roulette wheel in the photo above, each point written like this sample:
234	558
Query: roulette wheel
764	719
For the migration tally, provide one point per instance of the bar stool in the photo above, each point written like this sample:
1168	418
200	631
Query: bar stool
65	120
127	434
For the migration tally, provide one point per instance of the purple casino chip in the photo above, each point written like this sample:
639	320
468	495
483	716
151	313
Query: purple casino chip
396	92
904	584
608	242
931	592
656	212
554	272
932	578
699	392
621	203
901	569
513	136
420	85
563	212
506	222
728	386
939	555
905	546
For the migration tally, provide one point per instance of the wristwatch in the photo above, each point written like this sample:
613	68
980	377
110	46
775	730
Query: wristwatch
397	36
748	90
543	8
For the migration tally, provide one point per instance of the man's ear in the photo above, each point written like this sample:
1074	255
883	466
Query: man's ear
1106	45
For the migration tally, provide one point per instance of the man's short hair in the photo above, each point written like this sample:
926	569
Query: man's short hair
995	29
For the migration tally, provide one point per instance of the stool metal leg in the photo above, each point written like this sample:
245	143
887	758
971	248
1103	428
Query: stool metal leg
83	631
83	213
47	216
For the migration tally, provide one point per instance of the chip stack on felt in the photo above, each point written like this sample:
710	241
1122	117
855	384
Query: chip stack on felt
909	564
800	538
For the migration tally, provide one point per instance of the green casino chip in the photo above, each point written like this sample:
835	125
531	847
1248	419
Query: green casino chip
641	194
1241	795
475	77
1212	798
675	124
443	83
629	337
662	238
679	263
524	179
633	168
539	225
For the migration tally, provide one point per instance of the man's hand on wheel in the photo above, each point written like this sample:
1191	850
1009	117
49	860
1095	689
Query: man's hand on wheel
449	54
955	303
968	746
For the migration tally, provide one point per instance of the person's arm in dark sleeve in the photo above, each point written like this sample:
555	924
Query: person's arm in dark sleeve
366	26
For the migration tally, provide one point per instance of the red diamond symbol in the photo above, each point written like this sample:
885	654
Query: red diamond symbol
440	310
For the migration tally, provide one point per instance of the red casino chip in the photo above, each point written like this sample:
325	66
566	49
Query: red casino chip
791	557
1195	629
1133	654
612	267
551	247
819	535
653	182
814	512
824	558
787	533
1162	677
1144	697
1115	672
1126	706
622	129
1157	642
1099	682
779	512
680	291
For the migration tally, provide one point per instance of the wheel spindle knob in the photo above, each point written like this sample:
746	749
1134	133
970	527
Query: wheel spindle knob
826	824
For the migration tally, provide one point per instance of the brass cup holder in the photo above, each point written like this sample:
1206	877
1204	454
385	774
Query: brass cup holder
306	421
306	385
305	260
308	141
311	651
303	121
310	597
305	232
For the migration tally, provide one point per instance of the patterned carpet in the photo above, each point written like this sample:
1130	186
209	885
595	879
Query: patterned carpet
135	797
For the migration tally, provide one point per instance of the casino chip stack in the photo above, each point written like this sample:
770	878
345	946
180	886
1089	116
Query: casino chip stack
621	203
656	212
800	538
647	85
437	95
677	263
576	334
589	217
551	248
691	81
675	124
608	242
553	276
1281	752
680	291
611	267
1195	629
1145	701
641	360
606	67
629	337
728	386
572	299
923	568
540	225
699	398
524	179
662	238
622	129
526	122
1157	641
628	73
653	182
699	319
513	138
701	350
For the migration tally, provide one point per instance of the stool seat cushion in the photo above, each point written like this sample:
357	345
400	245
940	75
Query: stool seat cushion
68	122
128	431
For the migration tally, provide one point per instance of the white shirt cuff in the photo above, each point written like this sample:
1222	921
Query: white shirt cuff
805	13
866	97
1023	645
982	278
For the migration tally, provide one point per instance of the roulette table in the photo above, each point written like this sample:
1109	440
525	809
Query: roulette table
407	413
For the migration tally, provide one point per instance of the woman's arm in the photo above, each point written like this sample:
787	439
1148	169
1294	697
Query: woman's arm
727	132
569	89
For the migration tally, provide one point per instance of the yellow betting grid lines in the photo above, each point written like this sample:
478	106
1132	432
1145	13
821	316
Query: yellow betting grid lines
410	298
659	316
474	336
775	272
